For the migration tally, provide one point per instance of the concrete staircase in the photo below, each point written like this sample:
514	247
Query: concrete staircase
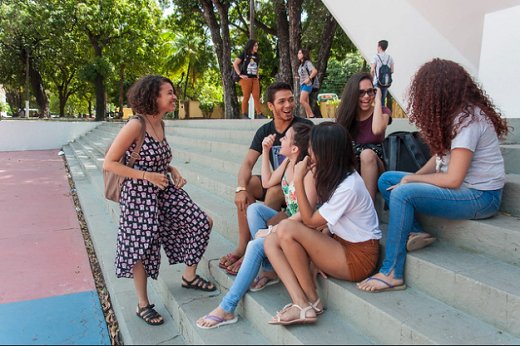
464	289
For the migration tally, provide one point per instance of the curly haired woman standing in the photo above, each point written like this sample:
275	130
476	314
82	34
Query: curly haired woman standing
464	178
155	211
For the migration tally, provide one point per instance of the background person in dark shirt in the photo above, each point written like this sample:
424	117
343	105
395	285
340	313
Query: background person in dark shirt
280	100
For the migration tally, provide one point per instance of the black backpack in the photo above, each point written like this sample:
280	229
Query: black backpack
234	75
384	76
405	151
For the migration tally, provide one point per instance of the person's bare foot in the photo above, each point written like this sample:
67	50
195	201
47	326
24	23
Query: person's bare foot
230	258
418	234
235	266
373	284
218	312
265	277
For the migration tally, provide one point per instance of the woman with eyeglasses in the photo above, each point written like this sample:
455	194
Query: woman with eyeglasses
464	178
365	119
246	65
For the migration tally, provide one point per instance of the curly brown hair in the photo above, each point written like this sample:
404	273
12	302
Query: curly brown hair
440	91
143	95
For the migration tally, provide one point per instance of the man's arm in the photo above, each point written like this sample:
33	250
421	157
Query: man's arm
246	170
373	69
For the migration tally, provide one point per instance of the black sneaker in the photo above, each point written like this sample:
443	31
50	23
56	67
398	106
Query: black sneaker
244	116
261	116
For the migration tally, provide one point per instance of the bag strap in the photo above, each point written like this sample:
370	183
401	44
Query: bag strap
414	150
392	154
135	154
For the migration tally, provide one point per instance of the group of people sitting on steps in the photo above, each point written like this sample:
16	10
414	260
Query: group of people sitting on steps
325	177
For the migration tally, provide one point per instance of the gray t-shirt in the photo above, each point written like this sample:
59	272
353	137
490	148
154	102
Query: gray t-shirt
486	171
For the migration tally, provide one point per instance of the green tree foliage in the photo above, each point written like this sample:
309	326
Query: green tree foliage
117	27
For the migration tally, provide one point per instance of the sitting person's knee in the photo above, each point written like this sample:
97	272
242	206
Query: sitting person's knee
368	156
274	197
285	229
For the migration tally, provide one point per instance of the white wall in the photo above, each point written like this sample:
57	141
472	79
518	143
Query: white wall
420	30
500	59
40	135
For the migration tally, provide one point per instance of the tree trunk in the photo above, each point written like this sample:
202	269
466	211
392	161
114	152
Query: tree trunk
37	87
284	73
295	40
99	82
222	45
121	88
329	30
101	97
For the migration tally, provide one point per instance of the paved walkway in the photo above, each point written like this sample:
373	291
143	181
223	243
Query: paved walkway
47	291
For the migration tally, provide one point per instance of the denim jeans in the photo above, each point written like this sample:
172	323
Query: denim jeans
405	200
384	91
257	217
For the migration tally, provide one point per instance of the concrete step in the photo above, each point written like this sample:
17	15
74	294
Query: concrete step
231	148
482	287
407	317
511	154
511	195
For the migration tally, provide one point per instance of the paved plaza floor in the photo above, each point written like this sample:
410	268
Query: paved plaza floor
47	291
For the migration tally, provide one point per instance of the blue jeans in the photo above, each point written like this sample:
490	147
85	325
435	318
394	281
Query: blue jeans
257	217
384	91
405	200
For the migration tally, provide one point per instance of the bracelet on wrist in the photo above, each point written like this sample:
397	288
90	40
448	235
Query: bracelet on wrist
270	229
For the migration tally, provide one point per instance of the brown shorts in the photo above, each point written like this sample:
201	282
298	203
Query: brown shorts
361	257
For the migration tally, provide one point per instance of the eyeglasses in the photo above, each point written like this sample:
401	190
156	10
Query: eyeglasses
370	92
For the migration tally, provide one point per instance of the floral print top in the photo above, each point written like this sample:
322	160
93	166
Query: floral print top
289	192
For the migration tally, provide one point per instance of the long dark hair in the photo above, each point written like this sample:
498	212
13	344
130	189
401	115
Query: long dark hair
440	91
346	114
335	159
306	56
301	135
249	47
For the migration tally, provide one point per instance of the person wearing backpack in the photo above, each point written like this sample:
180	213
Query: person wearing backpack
246	65
382	67
308	82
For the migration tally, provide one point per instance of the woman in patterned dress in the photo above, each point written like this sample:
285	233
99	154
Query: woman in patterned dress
155	210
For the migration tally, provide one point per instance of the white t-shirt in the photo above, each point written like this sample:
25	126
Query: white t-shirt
385	59
350	213
486	171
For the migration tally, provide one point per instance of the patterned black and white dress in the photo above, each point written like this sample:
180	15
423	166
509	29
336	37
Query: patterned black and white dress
151	218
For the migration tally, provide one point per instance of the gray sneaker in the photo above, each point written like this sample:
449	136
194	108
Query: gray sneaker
261	116
244	116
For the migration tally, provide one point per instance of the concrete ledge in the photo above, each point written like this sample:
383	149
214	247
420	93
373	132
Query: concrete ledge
40	135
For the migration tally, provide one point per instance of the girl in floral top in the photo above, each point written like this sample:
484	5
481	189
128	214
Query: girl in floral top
294	148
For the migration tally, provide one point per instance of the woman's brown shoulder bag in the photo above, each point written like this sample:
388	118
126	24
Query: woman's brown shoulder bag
114	182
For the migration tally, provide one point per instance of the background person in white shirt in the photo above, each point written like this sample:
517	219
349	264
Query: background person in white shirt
377	61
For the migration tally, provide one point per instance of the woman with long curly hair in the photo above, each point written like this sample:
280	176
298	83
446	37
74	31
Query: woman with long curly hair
464	178
365	119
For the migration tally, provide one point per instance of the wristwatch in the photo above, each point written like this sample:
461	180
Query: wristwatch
238	189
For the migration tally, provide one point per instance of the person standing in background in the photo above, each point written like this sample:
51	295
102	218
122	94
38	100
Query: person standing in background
246	65
380	59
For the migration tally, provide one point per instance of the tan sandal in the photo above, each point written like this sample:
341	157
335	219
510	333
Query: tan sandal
302	319
315	307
